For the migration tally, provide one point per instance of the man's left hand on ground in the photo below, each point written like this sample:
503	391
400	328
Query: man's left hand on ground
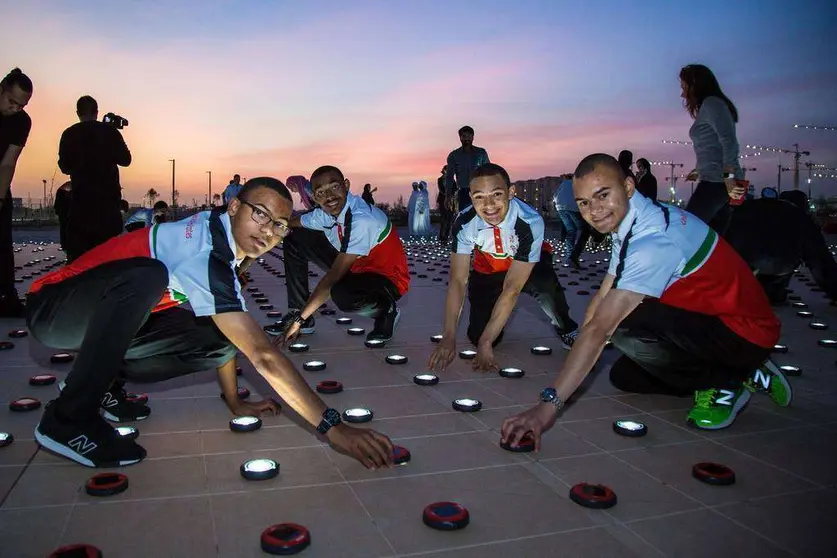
254	408
485	359
534	421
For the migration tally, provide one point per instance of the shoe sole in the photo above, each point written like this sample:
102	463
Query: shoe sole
394	327
302	331
58	448
778	375
740	404
114	418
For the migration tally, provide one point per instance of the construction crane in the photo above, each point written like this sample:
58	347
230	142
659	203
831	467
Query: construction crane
672	179
797	155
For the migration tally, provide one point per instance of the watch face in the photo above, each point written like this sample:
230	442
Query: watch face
548	394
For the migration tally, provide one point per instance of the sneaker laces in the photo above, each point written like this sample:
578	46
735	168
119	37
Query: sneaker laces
704	399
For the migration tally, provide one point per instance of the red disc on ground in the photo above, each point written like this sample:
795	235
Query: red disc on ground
24	404
137	398
6	345
285	539
18	333
329	386
526	444
713	473
595	496
401	455
106	484
446	516
42	380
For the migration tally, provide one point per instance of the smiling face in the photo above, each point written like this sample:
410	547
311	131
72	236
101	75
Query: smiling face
259	222
13	100
491	198
330	191
602	197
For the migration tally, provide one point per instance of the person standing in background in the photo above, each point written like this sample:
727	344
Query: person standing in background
232	189
63	199
646	181
367	194
715	143
91	152
15	93
461	164
445	212
576	231
626	161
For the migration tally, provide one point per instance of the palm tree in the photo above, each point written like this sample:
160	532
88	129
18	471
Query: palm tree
152	196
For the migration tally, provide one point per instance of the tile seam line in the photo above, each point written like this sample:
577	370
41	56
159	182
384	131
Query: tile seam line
362	505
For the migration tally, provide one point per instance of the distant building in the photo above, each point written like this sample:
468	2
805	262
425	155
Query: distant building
539	192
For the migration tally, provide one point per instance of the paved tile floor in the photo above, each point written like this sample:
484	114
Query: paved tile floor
188	499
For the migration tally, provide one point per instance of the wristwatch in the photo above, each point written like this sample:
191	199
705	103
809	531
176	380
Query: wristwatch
331	417
549	395
298	319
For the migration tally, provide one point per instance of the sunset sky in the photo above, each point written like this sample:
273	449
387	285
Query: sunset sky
379	88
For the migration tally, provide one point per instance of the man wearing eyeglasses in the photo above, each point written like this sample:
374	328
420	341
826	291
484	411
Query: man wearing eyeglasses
357	246
117	305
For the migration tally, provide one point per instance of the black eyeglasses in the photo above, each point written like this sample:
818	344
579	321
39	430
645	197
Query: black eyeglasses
262	217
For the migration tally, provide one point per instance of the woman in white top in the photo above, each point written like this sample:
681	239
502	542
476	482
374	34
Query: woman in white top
715	143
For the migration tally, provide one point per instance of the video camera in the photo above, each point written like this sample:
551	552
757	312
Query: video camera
115	120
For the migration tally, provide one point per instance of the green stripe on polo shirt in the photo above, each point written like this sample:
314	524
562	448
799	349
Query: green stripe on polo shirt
385	232
154	240
702	253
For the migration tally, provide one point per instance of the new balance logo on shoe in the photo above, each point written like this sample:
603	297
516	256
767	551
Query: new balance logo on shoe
725	397
109	401
82	445
762	378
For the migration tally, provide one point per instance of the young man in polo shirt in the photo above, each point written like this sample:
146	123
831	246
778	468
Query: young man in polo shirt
145	217
510	256
357	247
116	306
681	305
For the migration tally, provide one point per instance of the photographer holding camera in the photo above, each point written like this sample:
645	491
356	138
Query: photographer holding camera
91	152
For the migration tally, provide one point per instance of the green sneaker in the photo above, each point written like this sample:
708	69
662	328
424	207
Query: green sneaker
717	408
769	378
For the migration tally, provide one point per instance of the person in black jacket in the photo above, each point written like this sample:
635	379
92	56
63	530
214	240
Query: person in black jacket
646	182
775	236
445	211
91	152
15	124
62	204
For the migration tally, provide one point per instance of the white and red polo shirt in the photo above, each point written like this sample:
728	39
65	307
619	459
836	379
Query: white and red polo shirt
664	252
518	237
365	231
198	252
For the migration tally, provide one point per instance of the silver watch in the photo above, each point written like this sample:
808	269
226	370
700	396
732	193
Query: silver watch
549	395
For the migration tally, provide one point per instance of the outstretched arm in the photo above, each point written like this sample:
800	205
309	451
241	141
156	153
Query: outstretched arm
367	446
